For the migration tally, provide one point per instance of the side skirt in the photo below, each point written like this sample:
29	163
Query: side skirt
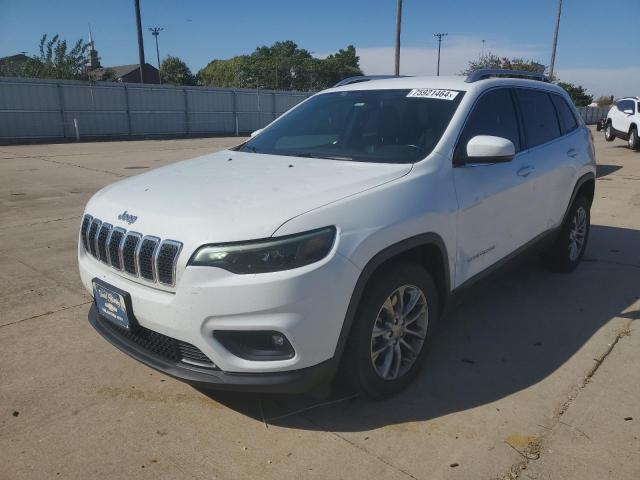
536	245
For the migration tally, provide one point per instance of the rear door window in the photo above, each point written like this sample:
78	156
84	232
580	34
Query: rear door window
493	114
538	116
568	121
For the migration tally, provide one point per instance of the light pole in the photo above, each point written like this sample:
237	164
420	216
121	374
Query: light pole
136	5
155	31
555	41
439	37
398	24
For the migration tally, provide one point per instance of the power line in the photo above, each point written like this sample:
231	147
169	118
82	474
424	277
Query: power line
439	37
155	31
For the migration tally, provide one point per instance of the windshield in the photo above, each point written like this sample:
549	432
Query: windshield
384	126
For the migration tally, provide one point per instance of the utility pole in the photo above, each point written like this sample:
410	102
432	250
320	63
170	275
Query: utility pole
136	4
483	42
155	31
555	41
398	25
439	37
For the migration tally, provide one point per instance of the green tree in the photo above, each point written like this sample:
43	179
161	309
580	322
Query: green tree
577	93
56	60
281	66
175	72
108	75
491	60
13	66
605	100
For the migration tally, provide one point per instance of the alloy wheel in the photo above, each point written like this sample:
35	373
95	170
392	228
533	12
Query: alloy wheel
399	332
577	233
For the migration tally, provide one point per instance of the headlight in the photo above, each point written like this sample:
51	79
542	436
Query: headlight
269	255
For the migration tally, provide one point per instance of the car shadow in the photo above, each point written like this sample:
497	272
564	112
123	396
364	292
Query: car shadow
626	147
507	333
604	170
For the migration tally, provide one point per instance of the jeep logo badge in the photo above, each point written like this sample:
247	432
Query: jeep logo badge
127	217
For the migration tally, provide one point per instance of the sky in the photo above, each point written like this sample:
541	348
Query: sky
597	47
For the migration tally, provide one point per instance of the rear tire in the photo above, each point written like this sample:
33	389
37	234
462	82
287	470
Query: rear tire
568	249
392	330
609	135
634	141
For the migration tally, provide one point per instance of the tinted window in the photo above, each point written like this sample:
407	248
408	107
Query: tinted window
538	116
383	126
494	115
565	114
626	105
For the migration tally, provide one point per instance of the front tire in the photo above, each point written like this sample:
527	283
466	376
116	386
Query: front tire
392	330
568	249
609	135
634	141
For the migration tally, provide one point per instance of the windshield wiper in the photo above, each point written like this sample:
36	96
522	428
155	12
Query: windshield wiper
317	155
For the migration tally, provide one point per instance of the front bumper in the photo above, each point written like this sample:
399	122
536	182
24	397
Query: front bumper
307	305
292	381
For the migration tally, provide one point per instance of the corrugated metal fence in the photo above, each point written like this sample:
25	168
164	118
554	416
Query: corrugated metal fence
591	115
41	109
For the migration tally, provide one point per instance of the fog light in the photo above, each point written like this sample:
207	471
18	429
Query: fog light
256	345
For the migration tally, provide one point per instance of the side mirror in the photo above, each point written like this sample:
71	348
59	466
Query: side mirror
628	112
489	149
256	132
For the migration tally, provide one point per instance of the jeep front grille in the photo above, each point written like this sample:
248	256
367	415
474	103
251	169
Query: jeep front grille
146	257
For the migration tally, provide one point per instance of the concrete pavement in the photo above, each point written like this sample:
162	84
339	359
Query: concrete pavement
535	375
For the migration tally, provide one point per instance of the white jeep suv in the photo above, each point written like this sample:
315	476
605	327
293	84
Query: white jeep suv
332	240
623	121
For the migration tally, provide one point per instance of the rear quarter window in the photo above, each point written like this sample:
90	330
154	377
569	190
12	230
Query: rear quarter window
568	121
538	117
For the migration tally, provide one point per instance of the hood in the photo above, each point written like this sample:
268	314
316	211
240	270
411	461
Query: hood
232	196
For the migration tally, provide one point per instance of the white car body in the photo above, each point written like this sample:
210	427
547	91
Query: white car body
477	215
622	118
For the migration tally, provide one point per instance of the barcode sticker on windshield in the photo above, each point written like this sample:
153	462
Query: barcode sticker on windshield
433	93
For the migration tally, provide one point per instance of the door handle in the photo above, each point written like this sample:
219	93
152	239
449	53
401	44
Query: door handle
572	152
525	171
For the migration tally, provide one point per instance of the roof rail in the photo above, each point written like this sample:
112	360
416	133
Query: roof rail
364	78
485	73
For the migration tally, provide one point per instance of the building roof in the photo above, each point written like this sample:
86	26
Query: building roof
122	70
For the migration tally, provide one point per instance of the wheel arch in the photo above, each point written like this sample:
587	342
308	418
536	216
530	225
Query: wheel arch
586	185
427	249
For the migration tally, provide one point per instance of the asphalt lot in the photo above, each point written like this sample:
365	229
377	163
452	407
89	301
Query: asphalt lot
536	374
